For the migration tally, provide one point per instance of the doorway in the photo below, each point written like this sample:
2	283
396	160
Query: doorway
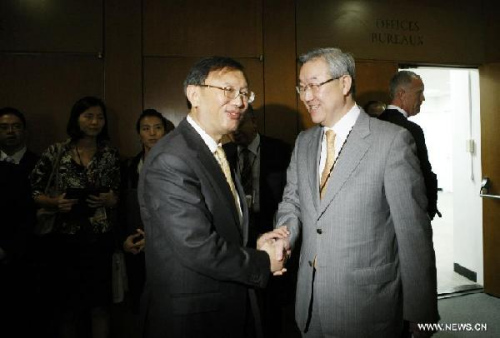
451	123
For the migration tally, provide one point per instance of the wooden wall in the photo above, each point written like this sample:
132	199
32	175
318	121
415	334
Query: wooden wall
135	54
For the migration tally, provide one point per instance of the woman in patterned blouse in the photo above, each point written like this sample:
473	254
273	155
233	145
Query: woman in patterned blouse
80	245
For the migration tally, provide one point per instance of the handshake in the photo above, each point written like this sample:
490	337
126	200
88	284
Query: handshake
276	244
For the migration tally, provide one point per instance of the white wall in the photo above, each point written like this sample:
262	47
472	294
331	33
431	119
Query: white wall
468	215
449	118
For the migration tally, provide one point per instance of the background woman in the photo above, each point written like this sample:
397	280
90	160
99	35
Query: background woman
151	127
81	241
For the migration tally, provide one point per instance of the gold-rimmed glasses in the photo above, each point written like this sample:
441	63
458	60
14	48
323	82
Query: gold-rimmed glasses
231	93
302	89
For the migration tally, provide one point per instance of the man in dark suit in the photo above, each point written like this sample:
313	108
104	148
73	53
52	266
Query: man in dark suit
407	95
13	140
200	274
261	163
17	217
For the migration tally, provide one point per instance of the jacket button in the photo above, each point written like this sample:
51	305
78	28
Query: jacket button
319	231
310	263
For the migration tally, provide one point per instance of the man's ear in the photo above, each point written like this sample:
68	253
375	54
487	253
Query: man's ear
193	95
400	93
346	84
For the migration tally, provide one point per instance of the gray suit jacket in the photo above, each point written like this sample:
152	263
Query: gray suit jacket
198	270
371	233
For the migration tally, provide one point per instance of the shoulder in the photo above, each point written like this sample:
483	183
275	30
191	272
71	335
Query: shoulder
385	135
30	156
56	148
308	134
179	147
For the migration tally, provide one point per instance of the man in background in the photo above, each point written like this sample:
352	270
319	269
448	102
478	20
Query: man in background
13	140
407	95
261	162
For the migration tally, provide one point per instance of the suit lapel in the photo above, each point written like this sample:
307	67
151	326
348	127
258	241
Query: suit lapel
212	169
244	210
354	150
313	156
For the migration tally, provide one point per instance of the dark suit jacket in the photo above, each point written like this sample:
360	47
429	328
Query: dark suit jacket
274	159
130	217
198	269
28	161
430	178
17	210
129	221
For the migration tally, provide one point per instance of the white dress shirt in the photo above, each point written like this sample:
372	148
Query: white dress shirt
16	157
401	110
212	145
342	129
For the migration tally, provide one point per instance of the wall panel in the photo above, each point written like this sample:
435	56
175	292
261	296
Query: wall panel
123	69
388	30
280	71
372	80
202	28
51	26
45	88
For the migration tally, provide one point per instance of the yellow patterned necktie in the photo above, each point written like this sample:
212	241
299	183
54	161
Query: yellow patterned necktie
330	159
220	155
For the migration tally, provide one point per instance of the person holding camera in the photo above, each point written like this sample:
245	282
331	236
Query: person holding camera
75	182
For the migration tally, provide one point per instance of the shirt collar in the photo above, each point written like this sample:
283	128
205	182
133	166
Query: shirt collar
401	110
17	156
253	146
345	124
209	141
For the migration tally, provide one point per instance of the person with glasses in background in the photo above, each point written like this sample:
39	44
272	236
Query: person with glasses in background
200	274
13	140
17	219
356	198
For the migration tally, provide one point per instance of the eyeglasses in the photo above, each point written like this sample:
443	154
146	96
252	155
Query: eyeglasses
14	127
301	90
231	93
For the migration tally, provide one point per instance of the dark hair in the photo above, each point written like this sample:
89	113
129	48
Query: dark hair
167	124
13	111
200	70
81	106
339	63
401	79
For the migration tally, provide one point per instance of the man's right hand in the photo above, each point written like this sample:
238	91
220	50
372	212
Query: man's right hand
277	266
277	245
135	243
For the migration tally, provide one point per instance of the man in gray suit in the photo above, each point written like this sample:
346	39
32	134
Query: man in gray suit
358	201
200	274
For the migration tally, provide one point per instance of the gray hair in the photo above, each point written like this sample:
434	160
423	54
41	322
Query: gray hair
339	63
401	79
